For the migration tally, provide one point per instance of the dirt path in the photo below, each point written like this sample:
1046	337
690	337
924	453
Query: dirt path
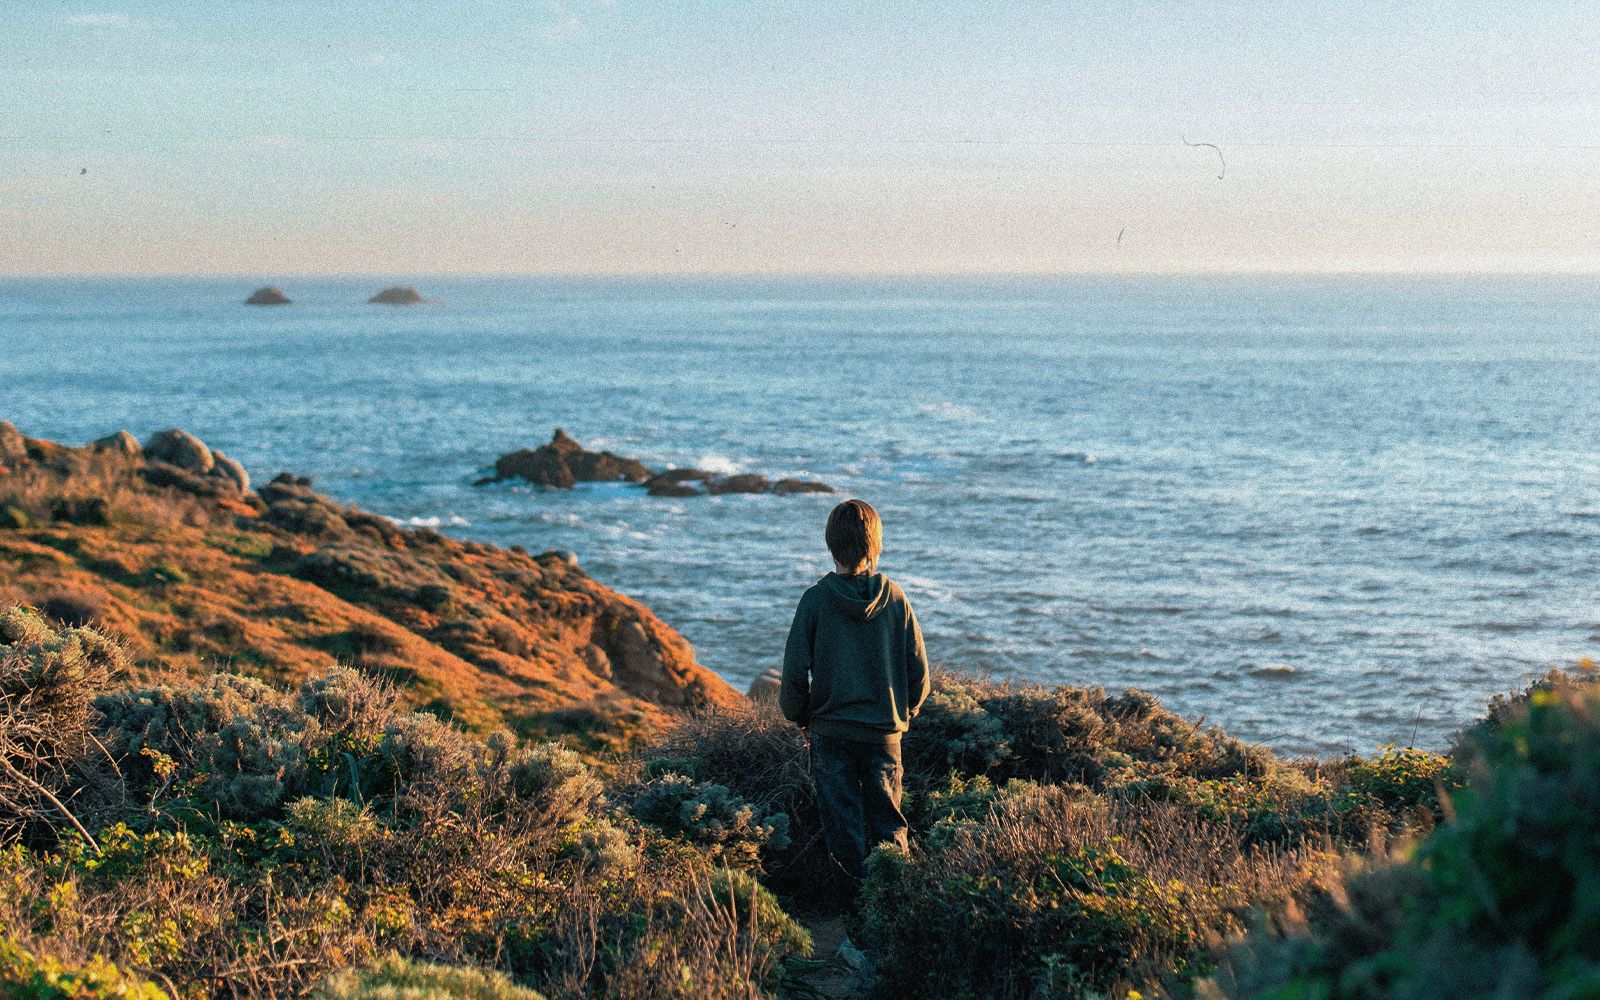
834	979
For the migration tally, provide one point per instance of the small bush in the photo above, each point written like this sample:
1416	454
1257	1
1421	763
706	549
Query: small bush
26	977
397	978
710	817
1055	893
1501	901
47	677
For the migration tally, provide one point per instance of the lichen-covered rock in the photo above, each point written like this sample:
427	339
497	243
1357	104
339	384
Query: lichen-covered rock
231	470
120	443
180	448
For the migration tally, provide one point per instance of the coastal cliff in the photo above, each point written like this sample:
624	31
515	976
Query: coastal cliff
166	546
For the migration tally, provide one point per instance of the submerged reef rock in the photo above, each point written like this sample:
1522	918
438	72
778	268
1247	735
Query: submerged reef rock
786	486
398	296
172	549
745	482
564	462
270	295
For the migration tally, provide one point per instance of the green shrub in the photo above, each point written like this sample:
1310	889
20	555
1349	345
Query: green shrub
250	841
47	677
396	978
711	817
1503	900
1055	892
25	977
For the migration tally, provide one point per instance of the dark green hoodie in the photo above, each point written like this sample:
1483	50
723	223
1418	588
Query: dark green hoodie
854	667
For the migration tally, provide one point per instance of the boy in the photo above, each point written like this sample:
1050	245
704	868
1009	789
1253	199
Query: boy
854	673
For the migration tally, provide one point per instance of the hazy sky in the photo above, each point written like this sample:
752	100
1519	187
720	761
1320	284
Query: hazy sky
269	138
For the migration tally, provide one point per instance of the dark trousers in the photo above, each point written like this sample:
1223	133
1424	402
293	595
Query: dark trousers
858	793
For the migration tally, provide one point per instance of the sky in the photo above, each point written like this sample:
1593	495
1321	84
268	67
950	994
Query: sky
725	136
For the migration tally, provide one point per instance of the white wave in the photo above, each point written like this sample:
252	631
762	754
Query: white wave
453	521
946	410
720	464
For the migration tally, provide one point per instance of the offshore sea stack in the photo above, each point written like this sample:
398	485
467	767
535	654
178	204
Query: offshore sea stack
171	548
398	296
270	295
564	462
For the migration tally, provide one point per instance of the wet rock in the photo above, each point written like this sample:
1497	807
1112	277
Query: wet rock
398	296
563	462
659	488
604	467
784	487
744	482
270	295
180	448
541	466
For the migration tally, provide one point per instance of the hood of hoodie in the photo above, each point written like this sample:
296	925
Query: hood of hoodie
861	596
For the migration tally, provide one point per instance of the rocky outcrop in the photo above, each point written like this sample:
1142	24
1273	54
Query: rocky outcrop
180	448
764	689
270	295
13	447
230	470
120	443
398	296
199	571
564	462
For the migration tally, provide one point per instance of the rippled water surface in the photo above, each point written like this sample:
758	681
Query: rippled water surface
1327	513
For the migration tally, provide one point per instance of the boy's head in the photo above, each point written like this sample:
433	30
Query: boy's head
855	535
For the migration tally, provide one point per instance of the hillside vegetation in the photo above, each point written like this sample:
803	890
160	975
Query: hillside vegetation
193	569
432	769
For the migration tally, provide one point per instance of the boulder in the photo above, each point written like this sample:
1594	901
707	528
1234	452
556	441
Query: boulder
744	482
398	296
270	295
784	487
120	443
180	448
764	689
13	446
230	470
680	476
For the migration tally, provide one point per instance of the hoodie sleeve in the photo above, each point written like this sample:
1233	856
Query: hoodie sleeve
918	683
794	694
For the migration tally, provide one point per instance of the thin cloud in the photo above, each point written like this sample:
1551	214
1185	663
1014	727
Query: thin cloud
566	23
106	20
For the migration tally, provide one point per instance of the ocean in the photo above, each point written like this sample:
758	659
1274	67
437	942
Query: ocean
1327	514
